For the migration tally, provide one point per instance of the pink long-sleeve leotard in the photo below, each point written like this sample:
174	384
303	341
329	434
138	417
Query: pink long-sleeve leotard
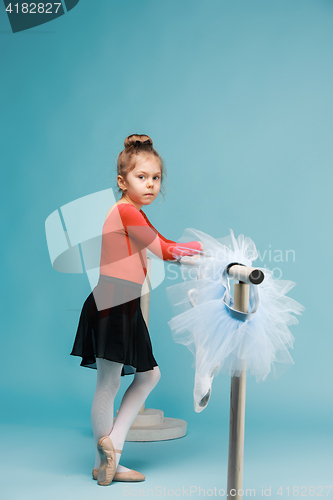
127	233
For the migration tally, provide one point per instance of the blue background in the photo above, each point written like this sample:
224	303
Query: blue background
237	97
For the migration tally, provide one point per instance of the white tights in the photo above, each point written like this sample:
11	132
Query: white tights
108	383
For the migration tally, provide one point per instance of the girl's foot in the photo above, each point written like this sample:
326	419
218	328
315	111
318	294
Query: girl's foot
108	465
118	443
121	468
129	475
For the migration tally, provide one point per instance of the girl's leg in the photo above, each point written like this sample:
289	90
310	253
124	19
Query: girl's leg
134	397
108	383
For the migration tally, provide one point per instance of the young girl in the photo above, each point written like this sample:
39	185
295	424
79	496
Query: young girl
112	335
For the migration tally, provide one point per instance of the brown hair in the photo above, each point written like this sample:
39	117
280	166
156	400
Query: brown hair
133	147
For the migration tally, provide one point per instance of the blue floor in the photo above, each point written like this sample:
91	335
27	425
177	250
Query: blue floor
55	464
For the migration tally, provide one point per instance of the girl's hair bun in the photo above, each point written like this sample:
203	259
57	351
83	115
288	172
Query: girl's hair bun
137	140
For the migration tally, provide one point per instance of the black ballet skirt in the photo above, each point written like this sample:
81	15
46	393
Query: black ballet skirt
112	327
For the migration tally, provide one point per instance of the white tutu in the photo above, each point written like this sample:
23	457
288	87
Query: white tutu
204	323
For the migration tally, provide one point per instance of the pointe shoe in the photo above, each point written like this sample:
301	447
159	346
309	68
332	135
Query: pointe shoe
129	476
107	468
203	384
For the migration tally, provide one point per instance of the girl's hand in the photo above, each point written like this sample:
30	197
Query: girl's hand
191	260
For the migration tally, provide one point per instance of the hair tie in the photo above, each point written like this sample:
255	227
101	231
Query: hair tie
138	143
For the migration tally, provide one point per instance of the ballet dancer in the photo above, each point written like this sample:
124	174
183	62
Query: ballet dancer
112	335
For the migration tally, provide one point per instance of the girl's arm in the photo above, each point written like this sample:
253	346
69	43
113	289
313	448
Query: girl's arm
179	249
145	235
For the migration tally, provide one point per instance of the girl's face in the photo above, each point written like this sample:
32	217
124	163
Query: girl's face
143	183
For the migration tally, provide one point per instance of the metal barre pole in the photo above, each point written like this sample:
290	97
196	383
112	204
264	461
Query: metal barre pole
245	275
237	409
